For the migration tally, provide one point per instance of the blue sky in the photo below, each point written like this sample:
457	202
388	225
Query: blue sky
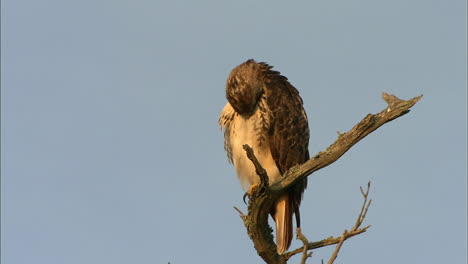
111	151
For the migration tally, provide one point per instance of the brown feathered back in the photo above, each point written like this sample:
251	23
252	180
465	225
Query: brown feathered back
289	131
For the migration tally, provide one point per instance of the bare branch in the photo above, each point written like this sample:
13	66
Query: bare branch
396	108
261	172
256	221
325	242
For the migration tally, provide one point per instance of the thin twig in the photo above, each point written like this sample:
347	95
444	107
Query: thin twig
242	215
359	220
338	247
325	242
304	240
355	230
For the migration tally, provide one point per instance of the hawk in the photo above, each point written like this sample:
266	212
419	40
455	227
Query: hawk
265	111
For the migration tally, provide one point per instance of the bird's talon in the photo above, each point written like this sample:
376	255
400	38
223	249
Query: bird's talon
243	197
249	192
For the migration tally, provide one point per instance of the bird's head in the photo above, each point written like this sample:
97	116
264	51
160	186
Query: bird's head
244	87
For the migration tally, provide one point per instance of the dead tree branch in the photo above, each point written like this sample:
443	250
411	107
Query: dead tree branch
262	198
396	108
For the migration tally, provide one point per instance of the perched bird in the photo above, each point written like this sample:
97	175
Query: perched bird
265	111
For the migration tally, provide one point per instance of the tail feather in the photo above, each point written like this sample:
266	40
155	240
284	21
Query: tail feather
284	223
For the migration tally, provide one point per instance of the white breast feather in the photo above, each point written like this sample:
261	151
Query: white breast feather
243	131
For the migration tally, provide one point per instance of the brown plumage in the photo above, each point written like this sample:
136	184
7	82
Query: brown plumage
265	111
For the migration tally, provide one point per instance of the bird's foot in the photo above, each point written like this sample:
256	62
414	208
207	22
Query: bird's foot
250	191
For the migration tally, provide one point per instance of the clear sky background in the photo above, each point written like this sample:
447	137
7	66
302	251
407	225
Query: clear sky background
111	151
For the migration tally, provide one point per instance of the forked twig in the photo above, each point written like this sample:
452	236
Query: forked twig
359	220
355	230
